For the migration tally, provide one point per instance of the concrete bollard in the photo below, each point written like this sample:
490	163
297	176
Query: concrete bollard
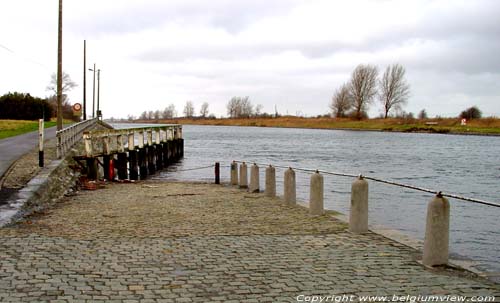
436	242
270	181
290	187
254	179
316	195
243	175
234	173
358	217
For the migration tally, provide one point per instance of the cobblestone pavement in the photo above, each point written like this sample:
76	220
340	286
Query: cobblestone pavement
178	242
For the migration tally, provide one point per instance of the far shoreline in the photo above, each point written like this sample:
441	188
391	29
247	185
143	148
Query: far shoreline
446	126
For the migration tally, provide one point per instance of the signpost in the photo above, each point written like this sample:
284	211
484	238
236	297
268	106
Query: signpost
40	142
77	109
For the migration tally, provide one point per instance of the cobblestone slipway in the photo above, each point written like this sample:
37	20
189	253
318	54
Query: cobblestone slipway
179	242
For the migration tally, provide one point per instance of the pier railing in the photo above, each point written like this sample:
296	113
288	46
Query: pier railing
67	137
139	151
436	240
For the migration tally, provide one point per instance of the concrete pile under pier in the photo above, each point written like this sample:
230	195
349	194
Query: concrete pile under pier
178	242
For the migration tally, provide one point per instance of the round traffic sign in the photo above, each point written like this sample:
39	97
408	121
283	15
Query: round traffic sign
77	107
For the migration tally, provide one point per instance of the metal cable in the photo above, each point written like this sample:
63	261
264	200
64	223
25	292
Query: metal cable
195	168
439	193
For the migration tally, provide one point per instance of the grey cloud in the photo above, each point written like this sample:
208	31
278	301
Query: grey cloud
233	16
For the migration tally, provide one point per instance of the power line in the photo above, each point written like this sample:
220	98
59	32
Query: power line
22	57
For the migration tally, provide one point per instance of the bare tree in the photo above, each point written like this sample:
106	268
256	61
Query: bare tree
157	115
246	107
169	112
151	115
67	83
258	110
394	90
363	88
341	101
189	109
422	114
204	110
239	107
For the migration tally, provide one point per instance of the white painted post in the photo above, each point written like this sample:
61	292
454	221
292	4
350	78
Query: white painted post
437	229
150	137
131	143
40	143
158	137
243	175
270	190
290	187
119	142
234	173
316	194
254	179
88	145
106	144
141	138
358	217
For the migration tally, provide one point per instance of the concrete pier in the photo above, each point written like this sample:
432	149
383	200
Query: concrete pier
146	158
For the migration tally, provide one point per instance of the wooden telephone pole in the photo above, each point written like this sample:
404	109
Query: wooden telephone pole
59	70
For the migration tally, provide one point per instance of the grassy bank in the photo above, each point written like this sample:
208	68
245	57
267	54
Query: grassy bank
490	126
10	128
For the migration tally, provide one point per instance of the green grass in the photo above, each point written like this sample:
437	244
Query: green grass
11	128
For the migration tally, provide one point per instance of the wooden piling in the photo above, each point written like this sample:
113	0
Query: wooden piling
217	173
121	165
106	162
166	160
143	167
92	171
132	158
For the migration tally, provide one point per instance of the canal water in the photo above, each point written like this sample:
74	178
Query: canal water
464	165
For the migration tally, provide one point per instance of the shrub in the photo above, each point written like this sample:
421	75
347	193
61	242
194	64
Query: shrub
471	113
19	106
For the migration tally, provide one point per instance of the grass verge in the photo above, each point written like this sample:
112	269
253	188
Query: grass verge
10	128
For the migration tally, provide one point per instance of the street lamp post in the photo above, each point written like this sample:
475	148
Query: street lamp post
84	80
93	92
99	114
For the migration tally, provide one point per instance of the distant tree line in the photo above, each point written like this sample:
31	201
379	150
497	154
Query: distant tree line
353	98
170	112
21	106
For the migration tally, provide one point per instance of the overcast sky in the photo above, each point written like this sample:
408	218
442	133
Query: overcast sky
291	54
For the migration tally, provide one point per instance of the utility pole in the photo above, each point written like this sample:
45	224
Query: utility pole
98	87
59	70
93	93
84	79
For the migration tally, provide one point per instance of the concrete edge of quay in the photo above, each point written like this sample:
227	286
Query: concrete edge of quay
47	187
455	261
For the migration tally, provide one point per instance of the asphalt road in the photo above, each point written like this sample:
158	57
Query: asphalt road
13	148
